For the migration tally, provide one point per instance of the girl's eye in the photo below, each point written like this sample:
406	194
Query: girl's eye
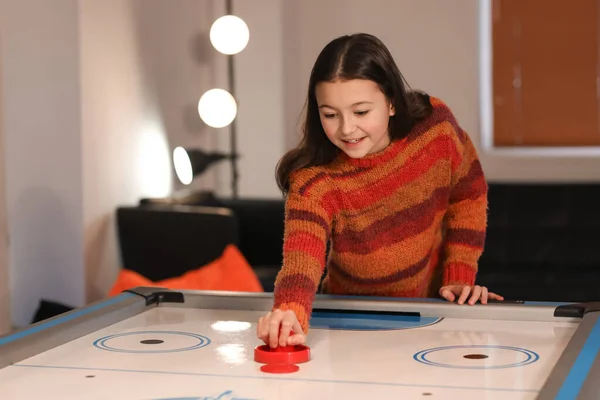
329	115
362	112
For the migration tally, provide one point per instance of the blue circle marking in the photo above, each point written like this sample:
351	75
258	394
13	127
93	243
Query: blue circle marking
103	343
530	356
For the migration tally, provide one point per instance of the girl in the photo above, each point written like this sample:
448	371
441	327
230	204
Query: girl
385	189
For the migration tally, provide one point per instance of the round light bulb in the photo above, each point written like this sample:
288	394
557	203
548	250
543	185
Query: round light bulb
229	34
183	165
217	108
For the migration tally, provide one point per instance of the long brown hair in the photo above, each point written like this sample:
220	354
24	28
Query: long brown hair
357	56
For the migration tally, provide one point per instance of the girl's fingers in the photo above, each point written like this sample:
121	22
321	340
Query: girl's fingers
495	296
476	294
286	328
464	295
484	295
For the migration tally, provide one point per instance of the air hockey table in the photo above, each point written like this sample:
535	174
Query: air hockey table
152	343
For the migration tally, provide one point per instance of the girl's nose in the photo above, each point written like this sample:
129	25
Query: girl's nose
348	126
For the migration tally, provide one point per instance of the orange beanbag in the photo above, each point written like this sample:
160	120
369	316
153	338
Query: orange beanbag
230	272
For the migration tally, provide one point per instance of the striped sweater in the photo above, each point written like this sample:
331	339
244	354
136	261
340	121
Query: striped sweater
401	222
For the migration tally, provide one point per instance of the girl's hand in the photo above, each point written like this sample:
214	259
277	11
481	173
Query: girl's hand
477	292
280	328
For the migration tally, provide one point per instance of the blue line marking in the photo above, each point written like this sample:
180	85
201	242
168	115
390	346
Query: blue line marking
102	342
398	299
582	366
530	357
363	315
367	321
275	378
77	313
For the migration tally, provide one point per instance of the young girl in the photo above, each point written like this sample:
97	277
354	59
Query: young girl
385	189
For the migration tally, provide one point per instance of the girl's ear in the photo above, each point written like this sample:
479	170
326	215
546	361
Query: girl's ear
392	109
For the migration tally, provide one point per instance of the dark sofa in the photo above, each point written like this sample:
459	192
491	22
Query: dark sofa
165	238
542	243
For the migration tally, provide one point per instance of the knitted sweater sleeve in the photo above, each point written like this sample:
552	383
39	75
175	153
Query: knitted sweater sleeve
308	219
466	217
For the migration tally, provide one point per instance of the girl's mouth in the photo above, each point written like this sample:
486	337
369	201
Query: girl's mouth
353	141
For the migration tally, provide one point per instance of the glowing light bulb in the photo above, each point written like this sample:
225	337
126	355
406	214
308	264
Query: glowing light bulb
183	165
217	108
229	34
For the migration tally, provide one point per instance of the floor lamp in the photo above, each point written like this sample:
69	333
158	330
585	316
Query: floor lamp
217	107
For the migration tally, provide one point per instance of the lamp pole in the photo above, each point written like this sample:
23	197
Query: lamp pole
232	127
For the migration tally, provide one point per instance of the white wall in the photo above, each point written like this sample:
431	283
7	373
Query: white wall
95	96
141	78
42	163
5	321
124	146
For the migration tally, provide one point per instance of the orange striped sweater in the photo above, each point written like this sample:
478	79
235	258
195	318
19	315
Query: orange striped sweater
401	222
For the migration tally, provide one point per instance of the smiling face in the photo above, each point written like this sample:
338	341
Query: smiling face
354	115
